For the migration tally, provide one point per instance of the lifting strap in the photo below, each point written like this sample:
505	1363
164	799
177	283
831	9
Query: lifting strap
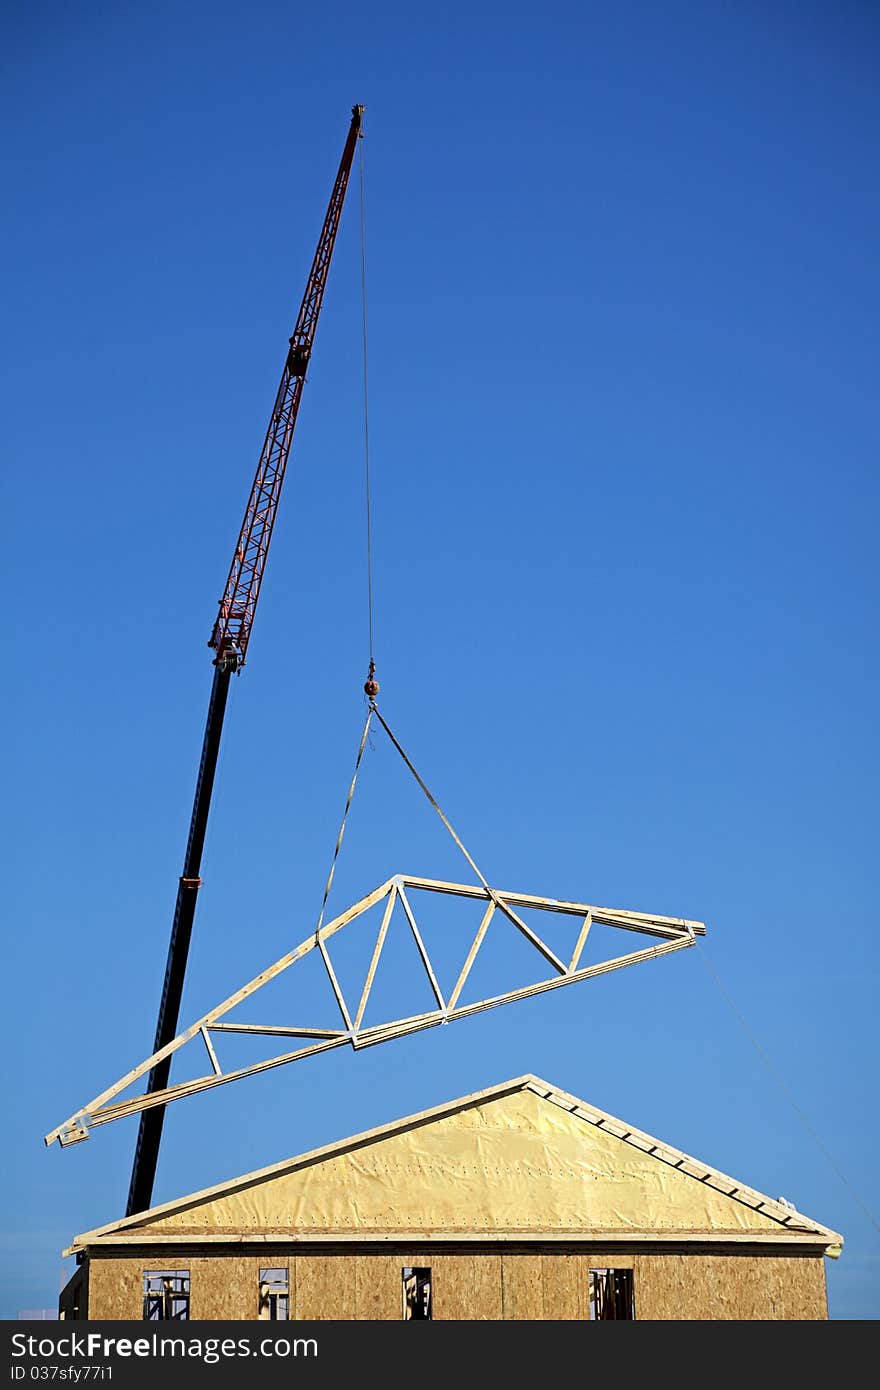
505	909
493	896
339	838
436	807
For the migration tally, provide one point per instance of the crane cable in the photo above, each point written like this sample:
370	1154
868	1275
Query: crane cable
371	687
361	166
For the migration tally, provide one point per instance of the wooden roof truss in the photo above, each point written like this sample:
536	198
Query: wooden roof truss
668	933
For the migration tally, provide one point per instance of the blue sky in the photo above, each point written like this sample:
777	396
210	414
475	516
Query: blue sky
623	296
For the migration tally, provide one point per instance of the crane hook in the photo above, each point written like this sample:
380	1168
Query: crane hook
371	685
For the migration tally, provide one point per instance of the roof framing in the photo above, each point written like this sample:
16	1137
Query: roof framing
670	934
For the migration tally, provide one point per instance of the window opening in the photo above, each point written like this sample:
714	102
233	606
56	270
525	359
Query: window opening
611	1294
274	1295
166	1295
417	1300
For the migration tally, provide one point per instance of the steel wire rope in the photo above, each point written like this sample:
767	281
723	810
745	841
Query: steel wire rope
372	702
369	530
367	488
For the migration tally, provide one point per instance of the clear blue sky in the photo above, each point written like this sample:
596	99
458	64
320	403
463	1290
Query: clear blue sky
623	290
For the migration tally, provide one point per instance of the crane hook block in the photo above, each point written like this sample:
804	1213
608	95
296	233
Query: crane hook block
371	686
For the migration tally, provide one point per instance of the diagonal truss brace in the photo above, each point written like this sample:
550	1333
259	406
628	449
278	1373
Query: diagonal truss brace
672	933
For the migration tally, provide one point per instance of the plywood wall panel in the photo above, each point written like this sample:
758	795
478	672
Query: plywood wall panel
378	1288
471	1283
564	1279
704	1287
486	1304
466	1287
325	1287
522	1277
224	1287
116	1287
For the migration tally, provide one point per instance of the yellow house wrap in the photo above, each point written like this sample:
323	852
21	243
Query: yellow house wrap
519	1159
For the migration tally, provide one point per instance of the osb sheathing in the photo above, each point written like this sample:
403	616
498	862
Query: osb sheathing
326	1288
548	1285
565	1283
466	1287
224	1287
370	1287
378	1292
522	1287
717	1287
116	1286
515	1162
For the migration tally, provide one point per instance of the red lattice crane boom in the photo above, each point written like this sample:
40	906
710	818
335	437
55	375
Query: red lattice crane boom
229	639
232	629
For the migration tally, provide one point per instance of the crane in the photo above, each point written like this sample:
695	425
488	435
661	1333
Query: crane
229	641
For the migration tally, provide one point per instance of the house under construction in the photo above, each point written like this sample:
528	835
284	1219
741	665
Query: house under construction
518	1202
